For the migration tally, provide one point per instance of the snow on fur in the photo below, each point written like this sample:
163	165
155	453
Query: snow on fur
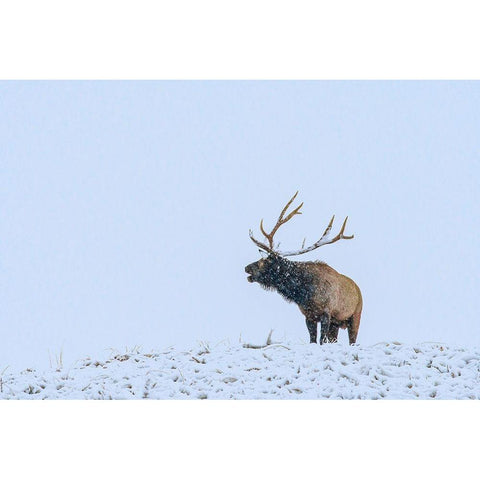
270	371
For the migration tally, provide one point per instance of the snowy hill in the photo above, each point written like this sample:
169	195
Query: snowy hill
270	371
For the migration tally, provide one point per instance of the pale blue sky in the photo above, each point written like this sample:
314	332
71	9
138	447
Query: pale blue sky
126	208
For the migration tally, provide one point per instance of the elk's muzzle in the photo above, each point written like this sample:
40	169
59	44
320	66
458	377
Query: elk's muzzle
249	270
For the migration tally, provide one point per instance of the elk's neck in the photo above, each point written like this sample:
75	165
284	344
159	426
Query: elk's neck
295	282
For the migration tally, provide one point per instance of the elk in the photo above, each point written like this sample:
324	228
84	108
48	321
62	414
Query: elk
323	295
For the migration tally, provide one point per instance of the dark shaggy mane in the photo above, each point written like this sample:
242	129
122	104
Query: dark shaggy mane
293	282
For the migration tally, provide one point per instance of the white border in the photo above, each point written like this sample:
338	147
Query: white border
248	39
245	439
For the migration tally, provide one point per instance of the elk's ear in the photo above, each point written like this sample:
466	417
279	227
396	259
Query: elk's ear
262	253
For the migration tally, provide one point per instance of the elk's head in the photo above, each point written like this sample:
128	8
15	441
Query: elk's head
266	270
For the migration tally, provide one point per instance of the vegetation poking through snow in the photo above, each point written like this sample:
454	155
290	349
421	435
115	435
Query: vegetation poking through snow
274	370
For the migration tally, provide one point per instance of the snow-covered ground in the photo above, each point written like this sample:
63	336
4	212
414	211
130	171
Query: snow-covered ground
387	370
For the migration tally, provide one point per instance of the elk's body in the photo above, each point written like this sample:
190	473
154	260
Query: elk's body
323	295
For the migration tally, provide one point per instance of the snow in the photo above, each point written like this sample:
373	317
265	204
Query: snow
286	370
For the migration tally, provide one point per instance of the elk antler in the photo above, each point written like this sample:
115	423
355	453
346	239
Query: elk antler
324	240
280	222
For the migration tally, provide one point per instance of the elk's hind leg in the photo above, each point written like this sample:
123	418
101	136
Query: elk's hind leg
353	325
332	334
312	329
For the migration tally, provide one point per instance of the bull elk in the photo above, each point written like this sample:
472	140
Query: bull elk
323	295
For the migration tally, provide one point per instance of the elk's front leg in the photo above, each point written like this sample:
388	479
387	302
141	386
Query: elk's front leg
325	326
312	329
332	333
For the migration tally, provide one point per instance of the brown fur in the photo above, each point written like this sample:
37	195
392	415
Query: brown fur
336	295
